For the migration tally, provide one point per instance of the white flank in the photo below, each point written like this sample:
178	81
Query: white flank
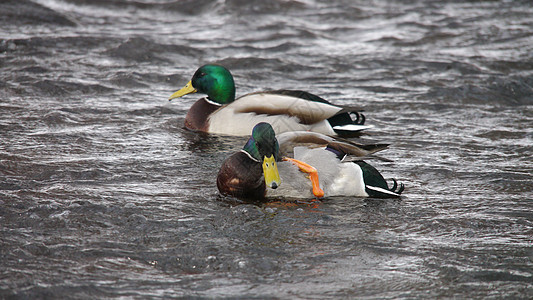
349	181
239	118
336	178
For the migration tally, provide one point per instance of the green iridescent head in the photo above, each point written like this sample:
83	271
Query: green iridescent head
264	147
214	80
263	142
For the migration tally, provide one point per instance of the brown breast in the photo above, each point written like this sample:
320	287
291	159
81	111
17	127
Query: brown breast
197	117
241	177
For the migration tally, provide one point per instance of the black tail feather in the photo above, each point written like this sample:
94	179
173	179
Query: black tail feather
400	190
373	178
359	118
394	185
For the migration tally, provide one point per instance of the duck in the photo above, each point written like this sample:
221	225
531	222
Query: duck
302	165
286	110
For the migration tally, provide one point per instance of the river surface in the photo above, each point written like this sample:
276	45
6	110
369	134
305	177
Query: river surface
104	194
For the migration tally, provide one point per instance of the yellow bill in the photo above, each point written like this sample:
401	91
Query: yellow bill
187	89
271	173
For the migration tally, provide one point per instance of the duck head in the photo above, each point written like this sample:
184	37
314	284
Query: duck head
213	80
263	147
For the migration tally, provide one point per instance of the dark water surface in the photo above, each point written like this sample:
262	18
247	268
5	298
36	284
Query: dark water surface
103	194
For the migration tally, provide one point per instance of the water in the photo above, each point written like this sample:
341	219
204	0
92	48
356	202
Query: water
103	194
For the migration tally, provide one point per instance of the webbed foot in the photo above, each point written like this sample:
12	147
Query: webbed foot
313	175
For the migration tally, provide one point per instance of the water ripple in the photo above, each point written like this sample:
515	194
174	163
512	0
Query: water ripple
104	194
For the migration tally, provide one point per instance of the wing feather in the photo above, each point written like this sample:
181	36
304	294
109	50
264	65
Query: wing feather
308	112
289	140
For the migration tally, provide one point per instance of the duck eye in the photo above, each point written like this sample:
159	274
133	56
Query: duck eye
199	75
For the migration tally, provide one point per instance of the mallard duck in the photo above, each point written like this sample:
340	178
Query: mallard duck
263	169
285	110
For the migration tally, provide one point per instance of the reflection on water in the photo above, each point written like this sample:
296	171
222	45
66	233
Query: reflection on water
104	194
